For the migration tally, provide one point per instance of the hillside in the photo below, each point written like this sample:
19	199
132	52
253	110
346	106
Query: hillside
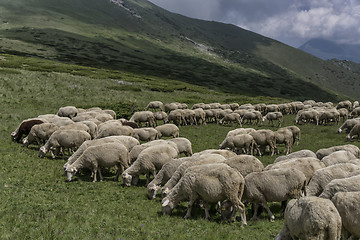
137	36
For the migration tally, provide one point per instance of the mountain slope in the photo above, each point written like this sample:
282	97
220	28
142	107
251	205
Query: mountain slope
138	36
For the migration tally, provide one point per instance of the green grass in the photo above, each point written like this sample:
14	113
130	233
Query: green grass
38	203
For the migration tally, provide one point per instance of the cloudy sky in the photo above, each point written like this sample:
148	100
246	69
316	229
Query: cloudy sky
290	21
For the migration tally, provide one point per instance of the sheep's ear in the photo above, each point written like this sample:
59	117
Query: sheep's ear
166	203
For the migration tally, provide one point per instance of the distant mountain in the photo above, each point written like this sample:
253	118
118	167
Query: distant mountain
138	36
326	49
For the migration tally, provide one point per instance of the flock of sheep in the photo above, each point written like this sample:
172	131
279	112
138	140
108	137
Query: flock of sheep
323	187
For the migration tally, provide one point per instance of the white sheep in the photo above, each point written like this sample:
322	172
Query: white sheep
307	116
134	153
231	118
161	116
338	157
110	130
155	105
242	142
323	152
66	139
105	155
68	111
143	116
298	154
349	184
240	131
296	133
310	218
223	152
325	175
348	125
146	134
168	130
348	206
271	116
93	128
355	131
200	116
264	138
40	133
249	117
183	144
210	183
245	164
284	136
149	162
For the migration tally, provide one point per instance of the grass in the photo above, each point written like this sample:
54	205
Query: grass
38	203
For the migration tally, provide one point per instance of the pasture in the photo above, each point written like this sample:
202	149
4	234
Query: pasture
38	203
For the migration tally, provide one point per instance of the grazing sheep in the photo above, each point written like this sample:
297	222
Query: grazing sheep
284	136
68	111
343	113
170	107
104	155
210	116
155	105
110	130
348	206
164	175
296	133
271	108
110	124
161	116
183	144
25	127
168	130
243	143
298	154
325	175
40	133
127	141
349	184
274	185
264	138
245	164
93	128
307	116
200	116
311	218
355	131
149	162
225	153
64	138
344	104
112	113
189	116
240	131
338	157
125	122
252	116
176	117
323	152
103	117
234	106
146	134
271	116
355	112
328	116
143	116
348	125
230	118
210	183
76	126
134	153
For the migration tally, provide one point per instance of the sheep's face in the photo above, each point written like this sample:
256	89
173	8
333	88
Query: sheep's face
70	173
167	206
26	142
339	130
126	179
42	152
13	136
152	191
348	138
263	119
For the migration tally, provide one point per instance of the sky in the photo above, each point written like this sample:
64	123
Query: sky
292	22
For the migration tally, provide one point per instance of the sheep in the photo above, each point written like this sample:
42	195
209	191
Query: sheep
344	104
264	138
355	131
307	116
125	122
103	117
348	205
127	141
146	134
110	124
168	130
149	162
112	113
143	116
64	138
284	136
231	117
311	218
134	153
183	144
25	127
298	154
234	106
329	116
273	185
161	116
225	153
170	107
210	116
271	116
68	111
245	164
198	105
76	126
271	108
343	114
200	116
40	133
211	183
240	131
164	175
296	133
93	128
252	116
176	117
155	105
355	112
349	184
190	116
338	157
104	155
348	125
109	130
243	142
323	152
323	176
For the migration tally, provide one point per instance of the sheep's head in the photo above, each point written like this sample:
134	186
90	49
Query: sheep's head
13	136
167	206
165	192
42	152
339	130
348	138
25	142
126	179
152	190
70	172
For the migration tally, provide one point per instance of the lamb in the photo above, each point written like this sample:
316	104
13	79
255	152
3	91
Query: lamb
64	138
311	218
338	157
355	131
349	184
296	133
109	130
25	127
40	133
149	162
245	164
155	105
161	116
298	154
164	175
104	155
348	205
68	111
271	116
264	138
168	130
127	141
348	125
284	136
183	144
146	134
211	183
231	117
144	116
243	142
325	175
323	152
273	185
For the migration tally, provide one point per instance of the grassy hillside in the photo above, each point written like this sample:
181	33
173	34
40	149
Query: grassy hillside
143	38
38	203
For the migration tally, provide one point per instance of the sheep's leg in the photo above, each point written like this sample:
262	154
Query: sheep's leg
100	175
193	198
207	208
94	174
272	217
256	208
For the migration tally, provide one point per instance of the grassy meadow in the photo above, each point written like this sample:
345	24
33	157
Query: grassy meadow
38	203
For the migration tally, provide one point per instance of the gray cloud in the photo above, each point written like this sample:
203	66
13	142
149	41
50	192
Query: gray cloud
290	21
